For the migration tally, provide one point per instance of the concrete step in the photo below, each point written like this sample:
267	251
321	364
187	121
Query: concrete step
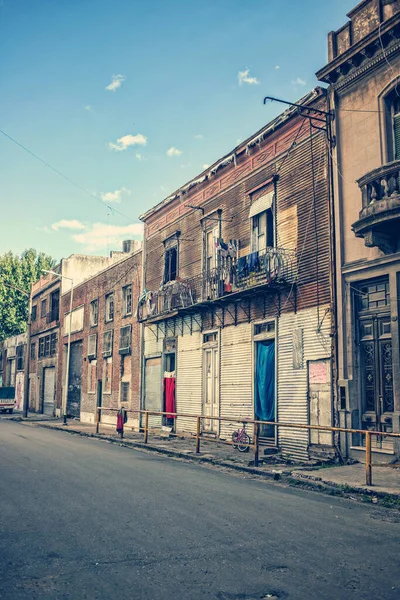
378	456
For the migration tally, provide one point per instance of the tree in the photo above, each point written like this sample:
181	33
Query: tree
18	271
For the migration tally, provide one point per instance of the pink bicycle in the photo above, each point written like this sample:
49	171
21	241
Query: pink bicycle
240	440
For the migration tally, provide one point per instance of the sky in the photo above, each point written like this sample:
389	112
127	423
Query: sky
130	99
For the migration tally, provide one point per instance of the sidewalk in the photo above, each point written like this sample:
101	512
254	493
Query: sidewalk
344	479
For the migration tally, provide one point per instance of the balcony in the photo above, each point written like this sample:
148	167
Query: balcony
267	269
379	219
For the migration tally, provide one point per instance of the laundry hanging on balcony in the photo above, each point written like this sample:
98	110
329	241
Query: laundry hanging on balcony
169	393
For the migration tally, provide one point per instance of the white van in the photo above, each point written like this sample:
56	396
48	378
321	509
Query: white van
7	399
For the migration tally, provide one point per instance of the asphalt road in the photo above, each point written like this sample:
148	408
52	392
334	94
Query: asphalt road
83	519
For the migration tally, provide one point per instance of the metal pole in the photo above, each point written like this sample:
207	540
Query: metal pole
65	395
97	419
27	357
146	426
256	444
368	466
198	420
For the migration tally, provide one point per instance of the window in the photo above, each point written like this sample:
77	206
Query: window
34	313
33	351
127	300
209	337
170	264
92	376
20	357
107	377
264	328
43	308
125	340
48	345
396	128
374	295
94	313
92	346
107	342
124	395
54	306
109	314
262	231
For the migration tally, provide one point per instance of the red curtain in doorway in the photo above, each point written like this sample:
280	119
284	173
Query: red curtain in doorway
169	394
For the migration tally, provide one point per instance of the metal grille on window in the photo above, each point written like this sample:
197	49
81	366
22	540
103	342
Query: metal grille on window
125	340
107	342
92	345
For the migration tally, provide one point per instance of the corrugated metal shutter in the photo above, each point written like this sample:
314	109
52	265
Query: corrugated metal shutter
261	204
292	383
189	379
48	391
152	387
236	376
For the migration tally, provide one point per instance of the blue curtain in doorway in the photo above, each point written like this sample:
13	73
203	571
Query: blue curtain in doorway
265	381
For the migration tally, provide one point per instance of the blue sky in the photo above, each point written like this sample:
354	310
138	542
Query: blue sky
172	73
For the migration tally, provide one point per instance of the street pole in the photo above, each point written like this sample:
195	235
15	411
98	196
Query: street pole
27	358
65	394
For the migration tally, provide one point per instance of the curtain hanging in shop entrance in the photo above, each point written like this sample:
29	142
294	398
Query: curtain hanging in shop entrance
265	381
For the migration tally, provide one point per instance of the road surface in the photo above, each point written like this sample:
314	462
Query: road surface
84	519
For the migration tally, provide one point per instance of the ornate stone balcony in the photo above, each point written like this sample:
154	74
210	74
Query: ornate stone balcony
379	220
269	268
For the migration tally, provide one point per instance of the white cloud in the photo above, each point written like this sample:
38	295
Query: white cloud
199	136
173	151
116	196
116	83
68	224
88	107
298	81
244	77
139	156
206	166
126	141
102	235
277	67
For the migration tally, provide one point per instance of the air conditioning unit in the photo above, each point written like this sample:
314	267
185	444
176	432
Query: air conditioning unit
125	339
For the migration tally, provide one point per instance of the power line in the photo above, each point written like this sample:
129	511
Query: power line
71	181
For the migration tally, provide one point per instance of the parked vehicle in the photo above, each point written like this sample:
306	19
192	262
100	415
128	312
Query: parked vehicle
7	399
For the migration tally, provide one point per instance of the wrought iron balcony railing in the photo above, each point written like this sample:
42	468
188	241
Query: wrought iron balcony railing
269	267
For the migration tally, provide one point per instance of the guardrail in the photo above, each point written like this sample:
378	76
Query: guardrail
256	426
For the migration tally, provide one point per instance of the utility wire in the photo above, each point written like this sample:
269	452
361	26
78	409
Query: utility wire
71	181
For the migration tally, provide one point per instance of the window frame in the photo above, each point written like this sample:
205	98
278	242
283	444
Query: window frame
125	349
268	232
92	369
125	289
121	398
34	313
19	357
109	307
94	311
107	388
171	244
108	353
43	308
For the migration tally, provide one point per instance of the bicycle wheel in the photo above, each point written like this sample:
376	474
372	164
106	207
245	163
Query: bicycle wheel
244	443
235	436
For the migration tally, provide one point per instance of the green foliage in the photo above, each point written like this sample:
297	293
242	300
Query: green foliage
19	272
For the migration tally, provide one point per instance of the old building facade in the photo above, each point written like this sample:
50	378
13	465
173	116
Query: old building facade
104	367
236	301
45	342
12	366
364	92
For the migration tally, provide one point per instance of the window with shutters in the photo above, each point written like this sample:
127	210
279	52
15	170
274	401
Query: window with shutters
125	339
108	342
127	300
396	127
262	222
107	376
92	376
20	357
124	392
92	346
109	307
94	313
